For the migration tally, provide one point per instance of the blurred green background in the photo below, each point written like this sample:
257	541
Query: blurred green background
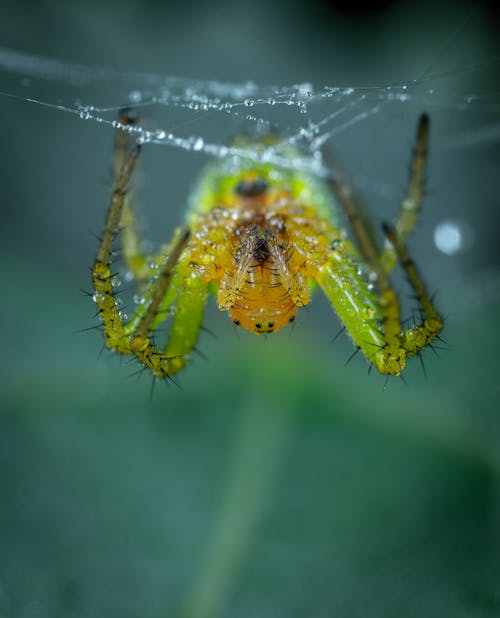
276	481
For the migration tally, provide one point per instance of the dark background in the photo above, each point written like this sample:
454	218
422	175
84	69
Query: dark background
276	481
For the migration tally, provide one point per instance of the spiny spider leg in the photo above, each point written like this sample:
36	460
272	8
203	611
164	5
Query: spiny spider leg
410	207
145	325
137	263
383	330
361	230
177	282
416	338
101	273
122	338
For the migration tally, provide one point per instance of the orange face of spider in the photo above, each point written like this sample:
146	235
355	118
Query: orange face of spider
263	304
259	287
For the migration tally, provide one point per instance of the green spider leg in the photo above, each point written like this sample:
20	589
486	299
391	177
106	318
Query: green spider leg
380	326
176	281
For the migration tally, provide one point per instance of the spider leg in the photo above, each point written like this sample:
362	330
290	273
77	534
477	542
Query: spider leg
114	332
188	317
341	286
179	282
138	263
135	339
412	203
410	207
357	221
372	320
416	338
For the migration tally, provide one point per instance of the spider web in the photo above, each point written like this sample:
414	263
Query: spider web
369	127
189	114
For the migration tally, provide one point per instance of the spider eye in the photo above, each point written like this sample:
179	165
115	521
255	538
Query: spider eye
236	322
258	325
251	188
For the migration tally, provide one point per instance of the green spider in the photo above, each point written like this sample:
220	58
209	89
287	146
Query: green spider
262	238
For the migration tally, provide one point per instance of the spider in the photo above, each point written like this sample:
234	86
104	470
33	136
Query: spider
261	238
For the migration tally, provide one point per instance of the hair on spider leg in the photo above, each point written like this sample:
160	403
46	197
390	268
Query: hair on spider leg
87	293
166	377
88	328
340	331
138	373
437	348
352	356
152	388
101	351
403	380
422	365
207	330
201	354
97	237
388	377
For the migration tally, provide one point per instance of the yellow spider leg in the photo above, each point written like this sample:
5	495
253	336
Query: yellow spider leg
416	338
101	273
412	203
137	263
117	336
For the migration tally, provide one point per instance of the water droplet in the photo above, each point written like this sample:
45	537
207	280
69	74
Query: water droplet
451	237
135	96
160	134
98	297
368	312
138	299
198	143
248	102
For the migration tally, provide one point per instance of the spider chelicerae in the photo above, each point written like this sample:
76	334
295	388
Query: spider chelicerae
261	238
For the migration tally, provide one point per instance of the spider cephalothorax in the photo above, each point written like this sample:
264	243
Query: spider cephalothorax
262	238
